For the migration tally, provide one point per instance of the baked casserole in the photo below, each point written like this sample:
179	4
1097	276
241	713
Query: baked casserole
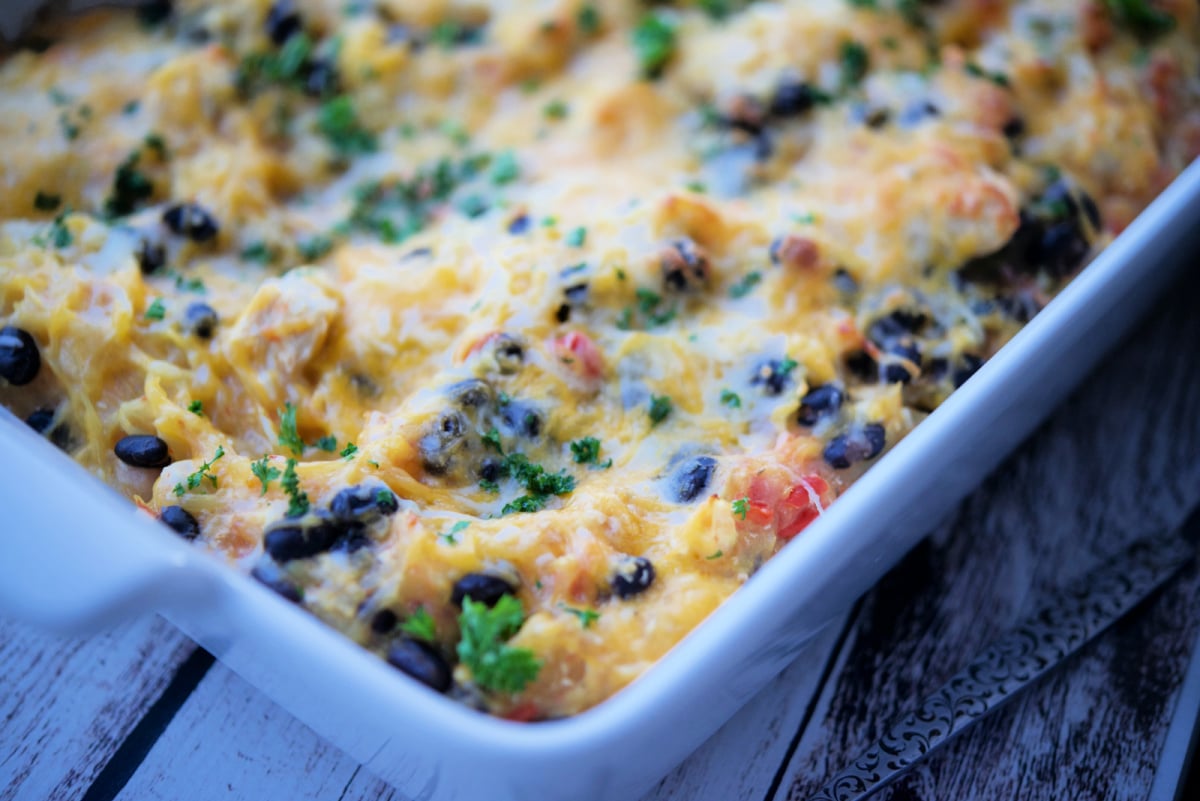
511	338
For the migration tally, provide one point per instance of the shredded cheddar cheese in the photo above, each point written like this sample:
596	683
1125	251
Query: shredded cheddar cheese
510	339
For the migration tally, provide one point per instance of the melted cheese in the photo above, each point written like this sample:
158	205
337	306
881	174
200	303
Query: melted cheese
492	192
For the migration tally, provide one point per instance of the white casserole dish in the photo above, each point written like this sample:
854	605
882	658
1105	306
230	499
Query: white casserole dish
75	556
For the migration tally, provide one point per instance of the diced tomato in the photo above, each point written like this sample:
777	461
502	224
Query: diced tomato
801	504
581	353
789	508
523	712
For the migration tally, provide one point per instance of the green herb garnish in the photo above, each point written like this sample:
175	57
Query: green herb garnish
338	122
576	237
731	399
743	287
297	498
156	310
586	450
196	407
483	649
289	436
458	527
740	507
654	43
420	626
660	408
264	472
586	616
327	443
193	480
349	451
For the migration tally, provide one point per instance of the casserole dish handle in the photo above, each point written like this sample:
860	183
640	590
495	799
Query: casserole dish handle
52	576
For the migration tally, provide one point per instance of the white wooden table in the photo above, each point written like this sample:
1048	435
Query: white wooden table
142	713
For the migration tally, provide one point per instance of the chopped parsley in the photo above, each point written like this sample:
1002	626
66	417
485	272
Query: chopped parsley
264	472
492	440
715	555
419	625
576	237
786	365
349	451
297	498
654	44
740	507
660	408
855	62
586	450
130	188
285	66
484	648
998	78
196	407
588	19
504	169
260	252
457	528
314	247
156	310
326	443
205	472
338	122
556	110
1142	17
289	436
731	399
586	616
744	286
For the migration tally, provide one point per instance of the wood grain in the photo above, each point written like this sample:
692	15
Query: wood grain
1120	460
67	704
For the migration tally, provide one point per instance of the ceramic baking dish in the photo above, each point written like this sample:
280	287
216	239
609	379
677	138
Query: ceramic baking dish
75	556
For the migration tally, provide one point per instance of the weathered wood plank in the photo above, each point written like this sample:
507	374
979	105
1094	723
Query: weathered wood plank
244	744
67	704
1120	460
231	741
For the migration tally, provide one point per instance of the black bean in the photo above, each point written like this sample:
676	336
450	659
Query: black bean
1090	209
421	662
1057	202
856	445
876	118
563	313
300	538
1062	249
321	78
632	577
491	469
895	325
41	420
684	266
445	438
844	282
20	359
283	20
521	419
269	577
154	12
576	294
483	588
384	621
908	365
862	365
201	319
793	98
820	402
691	478
471	393
519	224
1014	128
142	450
352	538
364	502
180	521
191	220
772	376
970	366
508	353
151	255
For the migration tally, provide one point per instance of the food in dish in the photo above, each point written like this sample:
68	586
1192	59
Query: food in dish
511	340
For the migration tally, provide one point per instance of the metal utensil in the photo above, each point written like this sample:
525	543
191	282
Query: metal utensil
1036	646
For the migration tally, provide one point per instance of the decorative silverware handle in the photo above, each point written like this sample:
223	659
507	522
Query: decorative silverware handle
1034	647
